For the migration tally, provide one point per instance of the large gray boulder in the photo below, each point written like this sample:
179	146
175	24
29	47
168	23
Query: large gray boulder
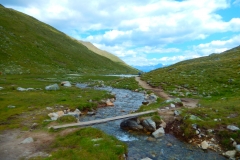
149	124
53	87
131	124
159	133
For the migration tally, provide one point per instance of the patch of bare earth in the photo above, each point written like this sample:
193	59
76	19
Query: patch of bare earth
12	148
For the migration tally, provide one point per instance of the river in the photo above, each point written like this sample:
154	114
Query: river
141	146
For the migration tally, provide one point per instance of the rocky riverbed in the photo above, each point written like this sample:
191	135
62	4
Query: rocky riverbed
142	146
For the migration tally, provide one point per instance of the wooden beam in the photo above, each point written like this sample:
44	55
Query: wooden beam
88	123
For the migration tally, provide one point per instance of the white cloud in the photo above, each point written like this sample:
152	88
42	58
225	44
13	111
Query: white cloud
217	46
134	29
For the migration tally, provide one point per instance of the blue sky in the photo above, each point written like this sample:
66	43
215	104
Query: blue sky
145	32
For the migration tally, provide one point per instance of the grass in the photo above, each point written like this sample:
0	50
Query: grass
125	83
215	81
32	104
30	46
87	144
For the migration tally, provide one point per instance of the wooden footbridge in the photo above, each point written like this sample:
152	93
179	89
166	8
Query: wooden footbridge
89	123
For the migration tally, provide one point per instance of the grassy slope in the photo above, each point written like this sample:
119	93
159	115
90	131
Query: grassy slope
30	46
215	80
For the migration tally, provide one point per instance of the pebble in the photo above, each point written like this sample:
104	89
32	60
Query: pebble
204	145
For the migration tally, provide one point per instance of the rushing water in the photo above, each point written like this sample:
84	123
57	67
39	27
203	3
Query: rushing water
139	146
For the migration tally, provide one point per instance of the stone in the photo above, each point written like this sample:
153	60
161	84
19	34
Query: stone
230	154
1	88
97	139
145	102
237	147
91	113
53	116
149	124
109	103
163	124
151	139
204	145
49	108
60	113
11	106
172	105
53	87
177	113
193	117
232	128
21	89
34	125
159	133
130	124
27	140
146	158
66	84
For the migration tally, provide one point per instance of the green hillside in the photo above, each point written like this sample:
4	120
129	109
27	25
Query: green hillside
102	52
214	75
30	46
215	81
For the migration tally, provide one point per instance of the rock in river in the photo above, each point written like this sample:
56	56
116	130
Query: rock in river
130	124
149	125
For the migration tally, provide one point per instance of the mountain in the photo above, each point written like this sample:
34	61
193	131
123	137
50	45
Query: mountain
106	54
31	46
149	68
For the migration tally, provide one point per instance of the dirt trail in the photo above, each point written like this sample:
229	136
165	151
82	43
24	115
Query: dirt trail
187	102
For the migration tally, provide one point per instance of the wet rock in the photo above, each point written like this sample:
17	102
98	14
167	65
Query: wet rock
151	139
232	128
238	147
109	103
149	124
159	133
27	140
230	154
146	158
53	87
91	113
131	124
66	84
145	102
204	145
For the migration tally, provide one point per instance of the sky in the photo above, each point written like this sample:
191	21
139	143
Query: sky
143	32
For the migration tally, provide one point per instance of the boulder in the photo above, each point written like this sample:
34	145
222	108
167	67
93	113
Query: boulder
230	154
204	145
66	84
53	87
131	124
149	124
232	128
159	133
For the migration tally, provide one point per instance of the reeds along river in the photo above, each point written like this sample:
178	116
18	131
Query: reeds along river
141	146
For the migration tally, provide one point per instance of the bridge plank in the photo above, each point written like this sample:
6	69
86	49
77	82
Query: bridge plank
88	123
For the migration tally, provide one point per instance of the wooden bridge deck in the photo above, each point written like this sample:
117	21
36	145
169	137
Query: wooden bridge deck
88	123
